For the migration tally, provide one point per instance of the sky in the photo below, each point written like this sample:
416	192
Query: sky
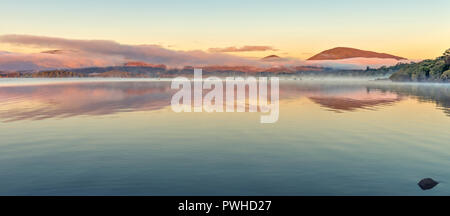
415	29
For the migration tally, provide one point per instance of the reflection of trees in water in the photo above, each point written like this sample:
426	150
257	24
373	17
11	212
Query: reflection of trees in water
439	94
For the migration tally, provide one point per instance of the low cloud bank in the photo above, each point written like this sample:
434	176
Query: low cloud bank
147	53
73	53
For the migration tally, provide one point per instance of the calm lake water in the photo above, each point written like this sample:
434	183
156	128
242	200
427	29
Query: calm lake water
121	137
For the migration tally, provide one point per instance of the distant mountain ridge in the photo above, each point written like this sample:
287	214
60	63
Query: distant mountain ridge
346	52
144	64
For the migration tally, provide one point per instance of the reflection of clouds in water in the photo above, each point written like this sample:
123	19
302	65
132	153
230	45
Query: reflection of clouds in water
41	102
101	98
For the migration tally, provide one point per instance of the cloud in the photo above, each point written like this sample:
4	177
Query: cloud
41	61
242	49
72	53
148	53
356	63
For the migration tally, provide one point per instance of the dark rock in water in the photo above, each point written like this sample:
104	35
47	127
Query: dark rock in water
427	183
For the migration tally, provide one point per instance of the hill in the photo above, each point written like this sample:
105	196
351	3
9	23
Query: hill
271	58
345	52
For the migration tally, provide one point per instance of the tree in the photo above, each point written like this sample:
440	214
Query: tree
447	52
447	56
446	75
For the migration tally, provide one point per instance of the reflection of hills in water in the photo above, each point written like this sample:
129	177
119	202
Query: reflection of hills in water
340	97
437	93
102	98
349	104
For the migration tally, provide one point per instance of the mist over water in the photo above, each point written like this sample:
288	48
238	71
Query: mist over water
120	137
